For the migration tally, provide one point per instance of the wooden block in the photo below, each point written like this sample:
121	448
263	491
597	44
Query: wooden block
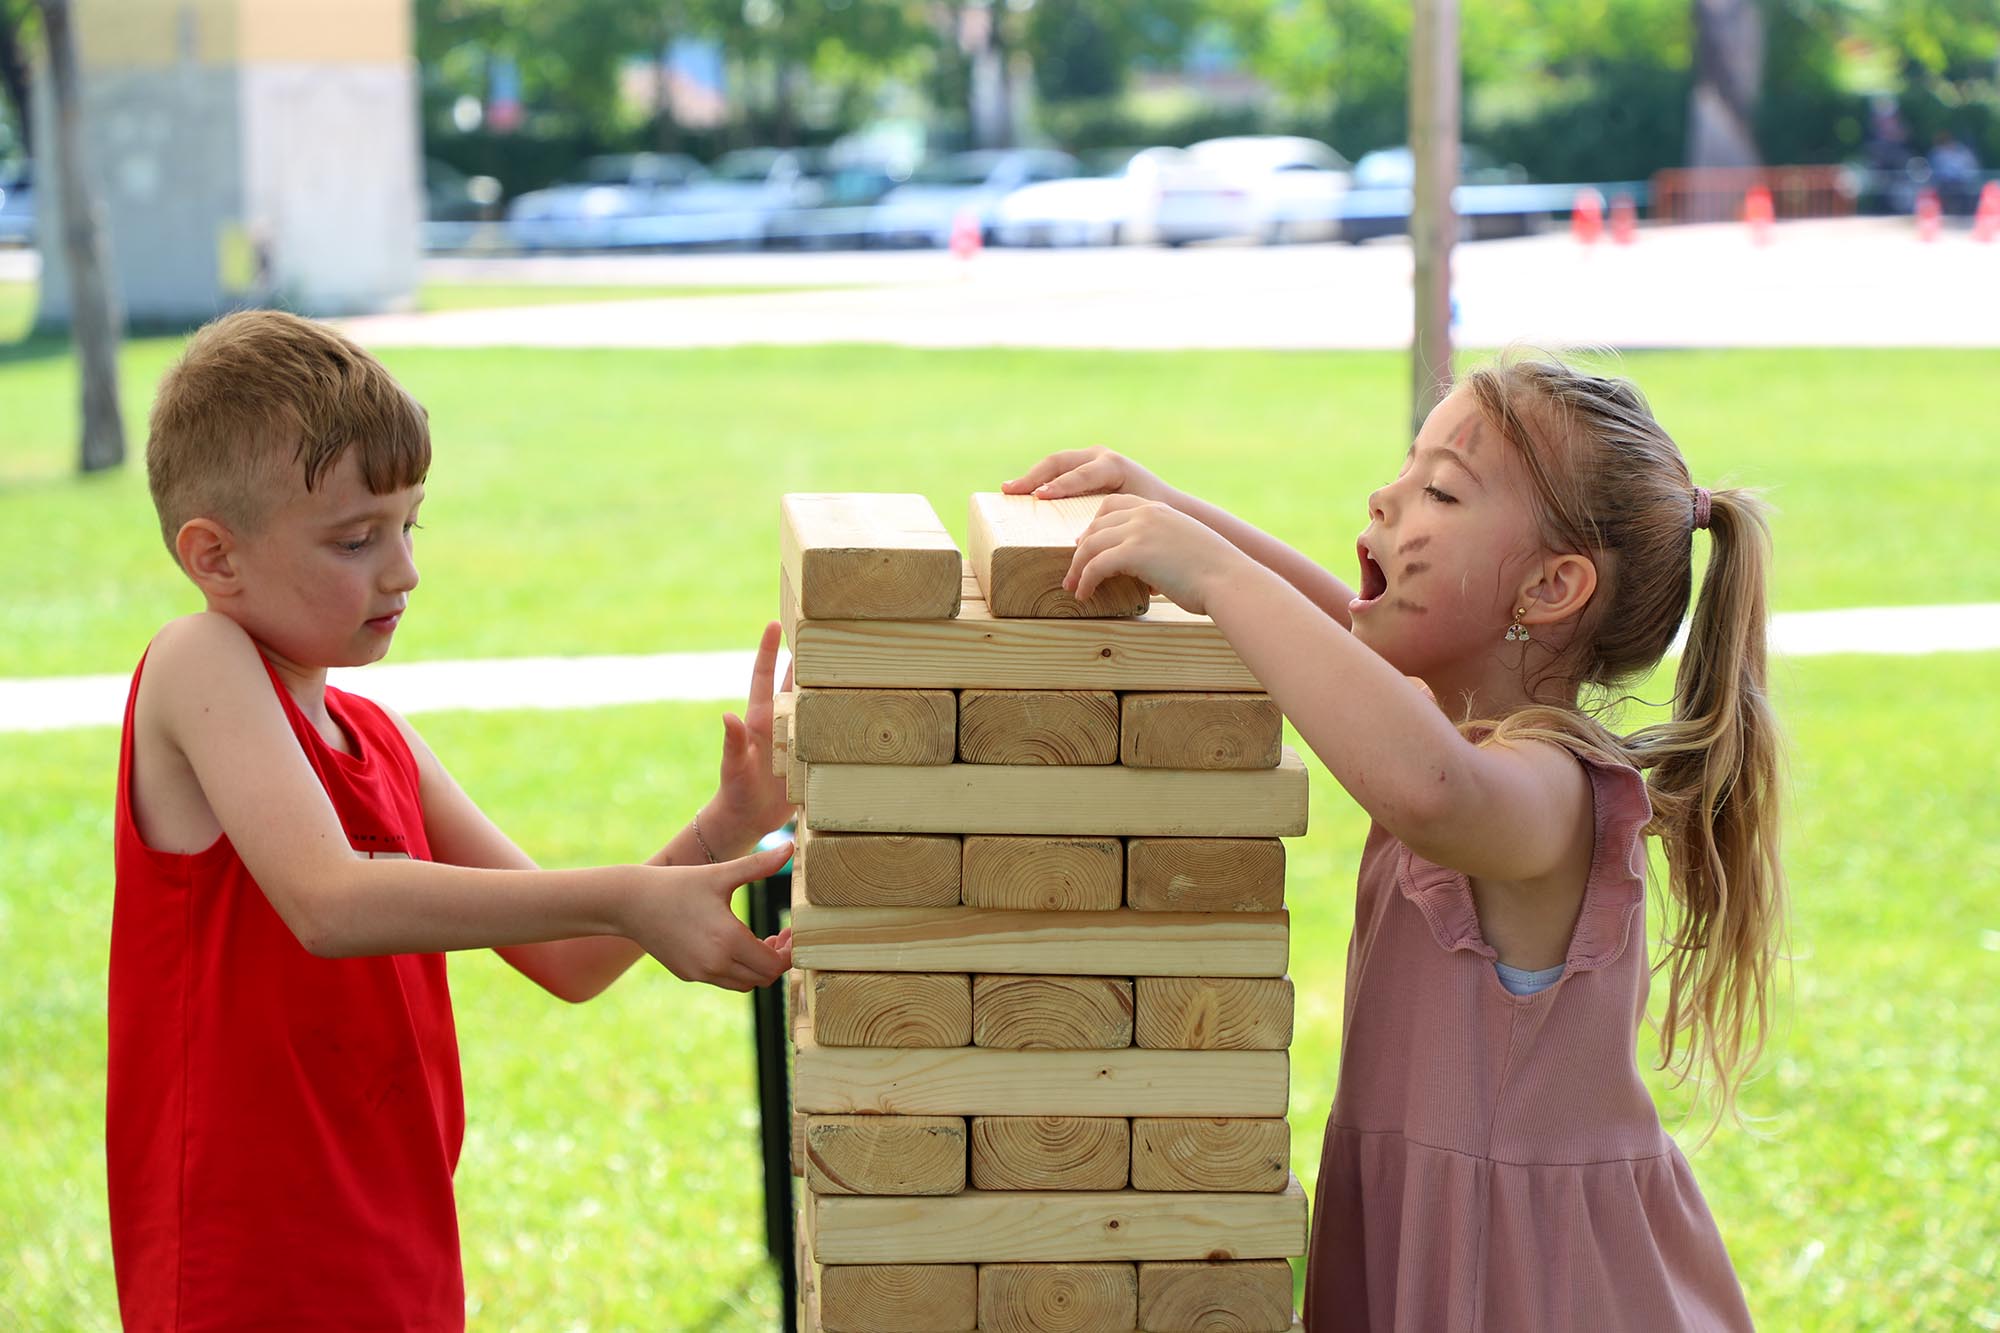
1166	649
1210	1154
1229	1296
799	1119
1047	727
1021	549
869	557
1051	1152
891	1009
878	869
1205	874
782	706
1058	1298
1207	731
1057	1226
1017	798
1083	944
867	1080
875	726
1044	874
898	1298
1211	1013
795	777
1052	1013
885	1154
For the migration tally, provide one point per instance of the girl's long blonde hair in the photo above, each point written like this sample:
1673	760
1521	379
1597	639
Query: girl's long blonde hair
1612	484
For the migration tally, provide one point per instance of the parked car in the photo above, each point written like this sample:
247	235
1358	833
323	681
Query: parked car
1268	187
923	211
1493	198
1116	201
17	208
591	212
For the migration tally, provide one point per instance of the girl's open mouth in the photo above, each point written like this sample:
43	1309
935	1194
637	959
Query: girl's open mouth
1373	581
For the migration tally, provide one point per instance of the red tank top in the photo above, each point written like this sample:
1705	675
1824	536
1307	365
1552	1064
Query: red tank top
280	1130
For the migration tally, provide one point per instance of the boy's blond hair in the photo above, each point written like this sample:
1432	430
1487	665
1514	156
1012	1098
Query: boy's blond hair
260	389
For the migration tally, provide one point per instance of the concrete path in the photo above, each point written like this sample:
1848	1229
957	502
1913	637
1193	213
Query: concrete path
59	702
1852	283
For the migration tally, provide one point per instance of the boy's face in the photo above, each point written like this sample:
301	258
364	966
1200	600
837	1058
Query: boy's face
324	580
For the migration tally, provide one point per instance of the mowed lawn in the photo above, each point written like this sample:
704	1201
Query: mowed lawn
626	502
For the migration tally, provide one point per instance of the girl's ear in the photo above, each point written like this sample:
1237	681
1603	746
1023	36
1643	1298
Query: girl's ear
1562	591
207	551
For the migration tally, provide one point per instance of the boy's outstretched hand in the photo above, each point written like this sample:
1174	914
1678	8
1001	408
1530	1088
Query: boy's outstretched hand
1086	472
681	916
749	797
1178	555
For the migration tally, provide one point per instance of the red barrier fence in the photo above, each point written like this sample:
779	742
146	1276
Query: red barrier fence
1716	194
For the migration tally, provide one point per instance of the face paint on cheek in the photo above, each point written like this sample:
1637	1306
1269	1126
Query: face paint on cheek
1405	604
1414	567
1413	544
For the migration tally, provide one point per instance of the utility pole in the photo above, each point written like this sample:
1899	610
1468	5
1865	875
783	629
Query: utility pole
1433	223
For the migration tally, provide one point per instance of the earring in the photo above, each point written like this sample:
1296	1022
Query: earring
1517	632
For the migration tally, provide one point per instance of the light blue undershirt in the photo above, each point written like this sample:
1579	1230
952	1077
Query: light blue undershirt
1519	982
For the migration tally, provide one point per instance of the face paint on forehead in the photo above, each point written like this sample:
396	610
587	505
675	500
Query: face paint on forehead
1466	438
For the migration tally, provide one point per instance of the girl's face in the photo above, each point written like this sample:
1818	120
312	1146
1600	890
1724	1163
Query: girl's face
327	576
1450	546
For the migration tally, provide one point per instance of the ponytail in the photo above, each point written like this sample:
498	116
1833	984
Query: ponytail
1713	774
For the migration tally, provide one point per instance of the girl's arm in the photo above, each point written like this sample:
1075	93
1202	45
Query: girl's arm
1095	471
215	706
1488	811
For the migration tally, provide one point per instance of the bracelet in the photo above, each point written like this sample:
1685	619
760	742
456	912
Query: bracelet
695	824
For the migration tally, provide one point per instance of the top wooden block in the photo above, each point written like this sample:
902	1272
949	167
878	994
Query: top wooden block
1022	548
869	557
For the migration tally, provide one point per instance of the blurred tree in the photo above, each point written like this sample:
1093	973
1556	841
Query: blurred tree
1728	83
96	324
1087	48
18	30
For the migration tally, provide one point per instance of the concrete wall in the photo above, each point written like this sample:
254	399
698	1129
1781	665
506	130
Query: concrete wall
250	152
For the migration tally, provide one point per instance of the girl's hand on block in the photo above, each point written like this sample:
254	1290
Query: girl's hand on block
681	916
1086	472
751	800
1178	555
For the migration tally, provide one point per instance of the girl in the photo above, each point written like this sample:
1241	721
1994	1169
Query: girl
1493	1160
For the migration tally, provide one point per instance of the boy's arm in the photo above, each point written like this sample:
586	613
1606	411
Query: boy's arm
217	708
1101	471
460	833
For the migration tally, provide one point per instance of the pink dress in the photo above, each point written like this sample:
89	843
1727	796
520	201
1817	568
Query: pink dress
1493	1162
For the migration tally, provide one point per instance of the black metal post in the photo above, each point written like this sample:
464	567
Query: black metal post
770	900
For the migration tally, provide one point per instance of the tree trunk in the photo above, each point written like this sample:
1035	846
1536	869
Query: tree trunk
96	324
666	131
1434	131
14	77
1728	82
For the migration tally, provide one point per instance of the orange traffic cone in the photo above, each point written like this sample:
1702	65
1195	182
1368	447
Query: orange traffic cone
1624	220
1586	217
1759	213
965	236
1930	214
1986	220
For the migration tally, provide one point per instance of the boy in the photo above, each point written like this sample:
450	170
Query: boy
284	1112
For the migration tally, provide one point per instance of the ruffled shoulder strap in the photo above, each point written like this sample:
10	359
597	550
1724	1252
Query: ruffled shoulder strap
1612	896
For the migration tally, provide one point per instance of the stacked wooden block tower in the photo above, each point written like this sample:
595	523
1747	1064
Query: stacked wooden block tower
1041	1013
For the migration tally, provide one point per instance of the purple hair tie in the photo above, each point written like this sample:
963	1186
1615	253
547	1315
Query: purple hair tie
1701	503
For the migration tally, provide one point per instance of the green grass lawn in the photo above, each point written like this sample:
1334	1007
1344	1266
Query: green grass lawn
615	502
